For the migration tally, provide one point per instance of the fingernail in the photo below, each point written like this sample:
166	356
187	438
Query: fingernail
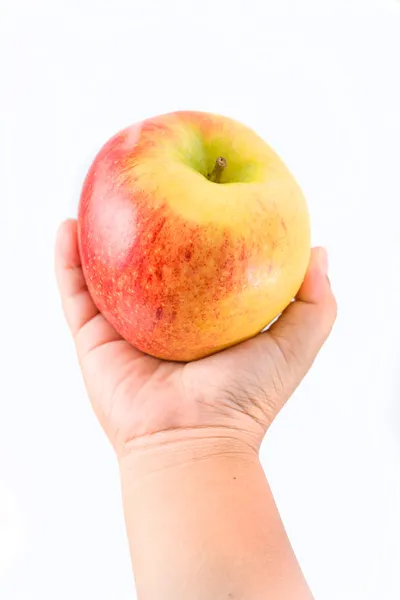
323	261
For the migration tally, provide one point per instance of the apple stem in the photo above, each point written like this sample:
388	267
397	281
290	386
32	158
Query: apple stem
220	165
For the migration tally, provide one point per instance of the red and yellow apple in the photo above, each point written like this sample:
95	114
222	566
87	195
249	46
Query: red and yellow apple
193	234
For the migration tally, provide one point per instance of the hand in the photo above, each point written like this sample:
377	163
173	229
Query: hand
236	393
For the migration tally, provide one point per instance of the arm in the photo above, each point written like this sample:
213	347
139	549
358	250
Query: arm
202	524
201	520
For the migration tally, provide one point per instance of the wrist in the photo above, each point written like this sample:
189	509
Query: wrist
181	447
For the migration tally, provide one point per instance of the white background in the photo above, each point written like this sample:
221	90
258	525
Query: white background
320	82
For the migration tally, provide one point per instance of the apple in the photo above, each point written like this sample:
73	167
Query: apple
193	234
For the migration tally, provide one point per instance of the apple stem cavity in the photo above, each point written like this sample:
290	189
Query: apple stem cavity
220	165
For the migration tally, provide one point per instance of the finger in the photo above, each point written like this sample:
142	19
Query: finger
87	325
305	325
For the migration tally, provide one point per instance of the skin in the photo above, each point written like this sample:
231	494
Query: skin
200	516
182	266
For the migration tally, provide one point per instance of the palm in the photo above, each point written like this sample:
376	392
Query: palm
134	394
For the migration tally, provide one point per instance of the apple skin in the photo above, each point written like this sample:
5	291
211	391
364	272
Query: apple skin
183	267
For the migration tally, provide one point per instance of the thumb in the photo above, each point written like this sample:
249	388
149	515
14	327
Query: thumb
305	325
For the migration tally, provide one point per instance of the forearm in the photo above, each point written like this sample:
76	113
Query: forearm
202	524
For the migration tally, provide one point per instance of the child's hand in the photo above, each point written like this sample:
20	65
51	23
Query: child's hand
235	394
